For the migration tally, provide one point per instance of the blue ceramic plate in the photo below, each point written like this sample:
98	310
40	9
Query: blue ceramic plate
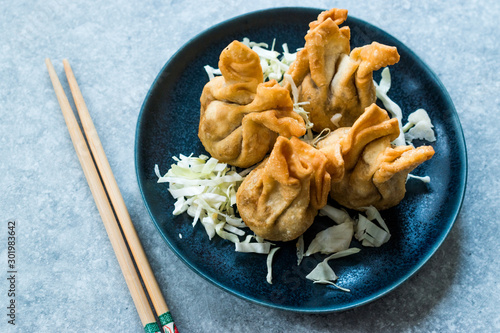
168	126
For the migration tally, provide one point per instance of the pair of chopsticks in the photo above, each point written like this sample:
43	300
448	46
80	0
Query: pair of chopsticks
146	314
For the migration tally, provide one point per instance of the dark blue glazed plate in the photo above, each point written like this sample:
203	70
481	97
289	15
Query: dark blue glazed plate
168	126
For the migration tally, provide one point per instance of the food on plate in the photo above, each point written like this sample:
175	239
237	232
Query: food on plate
280	198
240	116
362	164
337	82
375	171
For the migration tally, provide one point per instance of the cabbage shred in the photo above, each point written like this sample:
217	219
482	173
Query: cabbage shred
324	274
274	64
206	190
381	90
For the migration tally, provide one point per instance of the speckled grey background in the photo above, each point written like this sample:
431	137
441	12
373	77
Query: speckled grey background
68	276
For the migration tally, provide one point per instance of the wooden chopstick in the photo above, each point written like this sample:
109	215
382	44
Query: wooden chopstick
106	211
117	201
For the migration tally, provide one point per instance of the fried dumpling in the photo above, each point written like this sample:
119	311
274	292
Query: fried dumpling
280	198
326	44
240	116
375	171
334	80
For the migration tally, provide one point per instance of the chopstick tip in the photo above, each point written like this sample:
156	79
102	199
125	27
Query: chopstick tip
66	65
49	65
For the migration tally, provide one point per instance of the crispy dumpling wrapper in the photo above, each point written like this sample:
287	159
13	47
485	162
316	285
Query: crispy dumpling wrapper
280	198
375	171
240	116
336	81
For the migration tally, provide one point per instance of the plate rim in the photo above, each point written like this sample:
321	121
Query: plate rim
458	204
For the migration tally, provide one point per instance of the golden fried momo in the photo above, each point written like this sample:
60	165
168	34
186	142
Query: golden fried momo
334	80
375	171
240	117
280	198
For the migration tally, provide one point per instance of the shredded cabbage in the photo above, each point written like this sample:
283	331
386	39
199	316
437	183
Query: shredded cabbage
209	225
372	213
234	230
333	284
274	64
381	89
335	119
365	231
425	179
211	72
419	126
206	190
297	107
248	247
269	262
332	239
323	134
339	216
324	274
341	254
369	234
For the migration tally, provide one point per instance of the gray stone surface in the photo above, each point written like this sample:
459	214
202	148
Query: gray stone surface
68	276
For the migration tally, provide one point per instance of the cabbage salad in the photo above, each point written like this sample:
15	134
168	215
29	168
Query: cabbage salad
205	189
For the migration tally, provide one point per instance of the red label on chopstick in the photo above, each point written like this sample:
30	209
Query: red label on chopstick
167	323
